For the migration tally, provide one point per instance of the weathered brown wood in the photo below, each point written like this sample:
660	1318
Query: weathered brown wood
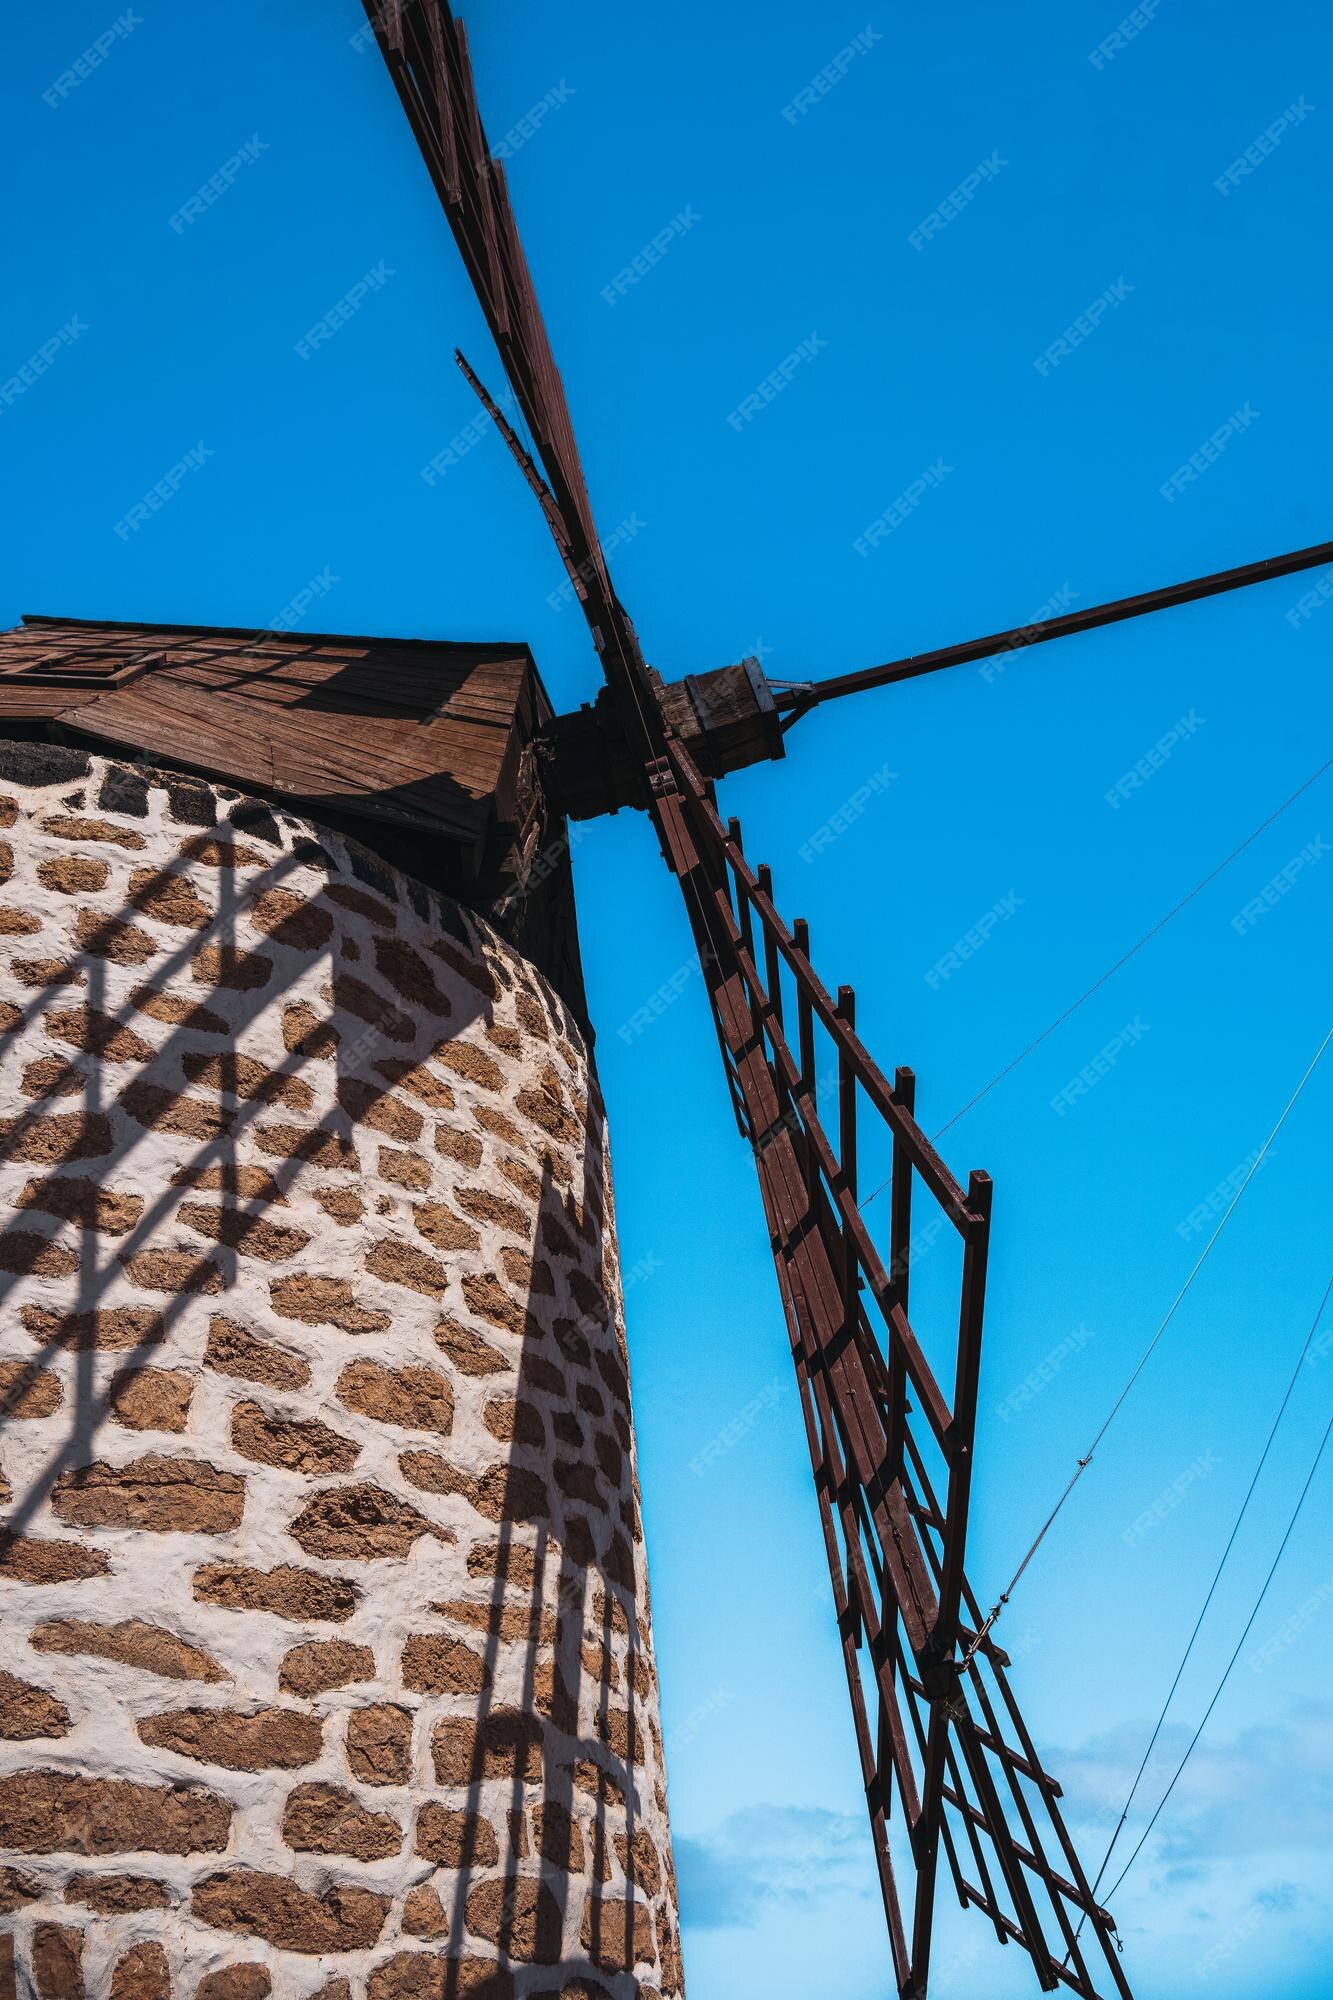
886	1546
423	749
410	732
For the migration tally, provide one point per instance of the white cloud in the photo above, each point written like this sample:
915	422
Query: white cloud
768	1854
1267	1790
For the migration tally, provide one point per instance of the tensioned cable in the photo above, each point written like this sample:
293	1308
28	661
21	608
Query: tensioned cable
1212	1588
1146	1356
1249	1623
1147	938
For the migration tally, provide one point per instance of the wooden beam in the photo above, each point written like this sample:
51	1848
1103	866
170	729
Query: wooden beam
798	701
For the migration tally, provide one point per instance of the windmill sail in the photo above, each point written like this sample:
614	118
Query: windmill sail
947	1760
943	1746
427	56
798	700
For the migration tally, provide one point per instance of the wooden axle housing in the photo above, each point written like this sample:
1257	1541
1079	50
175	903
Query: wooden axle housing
726	718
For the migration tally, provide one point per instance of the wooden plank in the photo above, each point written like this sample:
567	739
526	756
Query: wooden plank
127	719
224	737
414	693
412	700
35	704
419	731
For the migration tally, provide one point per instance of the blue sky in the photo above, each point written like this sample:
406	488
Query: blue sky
1099	185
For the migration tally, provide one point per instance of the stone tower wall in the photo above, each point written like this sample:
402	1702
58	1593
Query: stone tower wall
325	1657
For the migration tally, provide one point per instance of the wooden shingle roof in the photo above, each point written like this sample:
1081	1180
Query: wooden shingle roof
423	734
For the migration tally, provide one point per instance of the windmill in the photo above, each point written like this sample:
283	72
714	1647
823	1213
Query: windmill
322	1559
944	1750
